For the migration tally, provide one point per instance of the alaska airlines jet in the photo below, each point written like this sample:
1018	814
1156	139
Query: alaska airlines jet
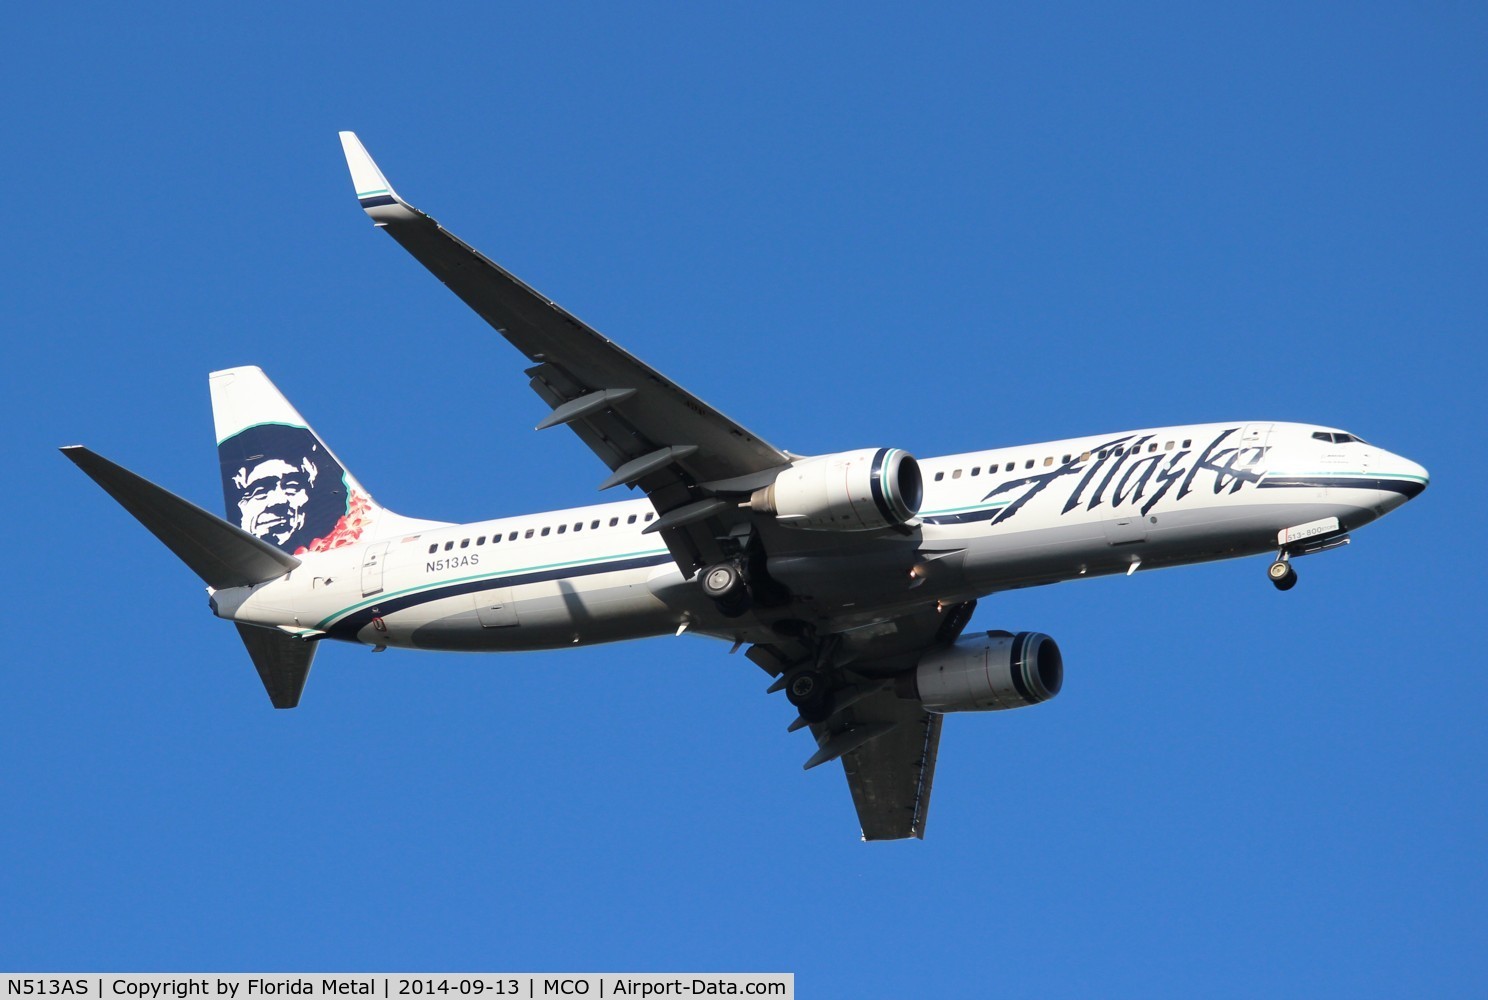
850	577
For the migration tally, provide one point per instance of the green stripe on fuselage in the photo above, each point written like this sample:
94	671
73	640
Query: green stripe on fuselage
434	585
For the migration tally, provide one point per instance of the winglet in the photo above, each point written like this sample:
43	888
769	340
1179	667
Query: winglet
376	195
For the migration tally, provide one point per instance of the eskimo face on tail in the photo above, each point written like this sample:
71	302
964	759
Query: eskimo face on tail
281	485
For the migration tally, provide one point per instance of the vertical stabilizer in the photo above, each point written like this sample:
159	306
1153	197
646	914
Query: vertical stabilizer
280	482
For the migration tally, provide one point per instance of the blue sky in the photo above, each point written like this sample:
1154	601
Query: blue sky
936	228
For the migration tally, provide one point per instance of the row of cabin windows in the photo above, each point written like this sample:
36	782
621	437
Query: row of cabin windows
465	543
976	470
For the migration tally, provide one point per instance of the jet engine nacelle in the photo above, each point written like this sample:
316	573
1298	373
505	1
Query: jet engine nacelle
985	673
851	491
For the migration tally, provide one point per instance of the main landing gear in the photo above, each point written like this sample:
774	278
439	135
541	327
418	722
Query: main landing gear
724	583
1283	577
741	583
809	692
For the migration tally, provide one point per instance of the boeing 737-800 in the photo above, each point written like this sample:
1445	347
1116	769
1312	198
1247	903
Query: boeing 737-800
850	577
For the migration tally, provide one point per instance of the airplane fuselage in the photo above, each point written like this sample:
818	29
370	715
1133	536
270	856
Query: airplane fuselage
990	520
852	576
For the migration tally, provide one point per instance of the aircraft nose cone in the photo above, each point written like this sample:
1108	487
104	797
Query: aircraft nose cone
1413	474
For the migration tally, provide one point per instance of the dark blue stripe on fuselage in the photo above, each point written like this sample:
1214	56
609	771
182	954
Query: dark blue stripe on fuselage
965	517
1406	487
348	627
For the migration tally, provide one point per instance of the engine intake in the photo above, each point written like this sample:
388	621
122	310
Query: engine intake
986	673
861	490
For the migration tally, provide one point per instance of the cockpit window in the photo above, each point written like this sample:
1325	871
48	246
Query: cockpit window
1336	437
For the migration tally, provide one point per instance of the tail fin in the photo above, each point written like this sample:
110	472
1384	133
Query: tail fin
280	482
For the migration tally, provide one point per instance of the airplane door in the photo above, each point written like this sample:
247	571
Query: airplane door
496	608
372	565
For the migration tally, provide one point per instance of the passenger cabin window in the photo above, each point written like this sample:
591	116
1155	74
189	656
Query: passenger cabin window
630	519
976	470
956	474
513	536
1188	442
545	532
562	528
650	516
1168	446
1008	467
433	548
481	540
448	546
1028	464
464	543
593	525
529	533
614	521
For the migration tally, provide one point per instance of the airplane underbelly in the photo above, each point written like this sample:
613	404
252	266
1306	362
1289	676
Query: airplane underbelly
547	615
1113	545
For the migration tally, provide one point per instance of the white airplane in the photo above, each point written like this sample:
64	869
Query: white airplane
850	576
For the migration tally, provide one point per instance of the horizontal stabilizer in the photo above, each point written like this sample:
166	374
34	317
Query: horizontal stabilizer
222	554
282	661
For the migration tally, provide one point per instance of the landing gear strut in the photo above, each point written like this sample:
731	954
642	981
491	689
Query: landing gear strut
1283	577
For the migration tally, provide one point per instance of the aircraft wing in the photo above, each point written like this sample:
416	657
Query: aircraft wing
697	466
650	431
890	775
887	744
